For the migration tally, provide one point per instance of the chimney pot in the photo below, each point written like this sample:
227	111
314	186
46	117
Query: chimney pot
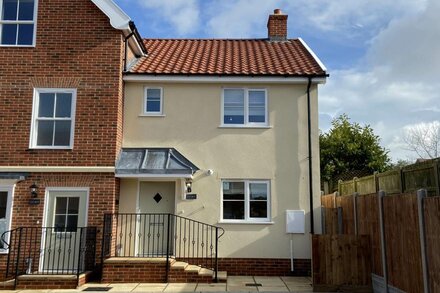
277	26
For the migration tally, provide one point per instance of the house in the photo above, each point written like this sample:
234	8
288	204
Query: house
162	159
217	131
61	127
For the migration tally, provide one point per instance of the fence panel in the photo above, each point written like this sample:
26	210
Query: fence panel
390	181
340	260
432	228
366	185
346	203
368	224
328	201
404	263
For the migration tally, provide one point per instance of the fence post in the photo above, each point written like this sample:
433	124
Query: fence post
323	220
355	196
339	186
437	177
376	181
402	181
380	197
421	194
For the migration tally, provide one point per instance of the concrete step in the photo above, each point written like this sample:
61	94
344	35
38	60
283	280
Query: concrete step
192	269
179	265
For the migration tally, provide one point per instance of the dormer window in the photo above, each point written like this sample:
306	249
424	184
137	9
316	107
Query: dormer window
17	22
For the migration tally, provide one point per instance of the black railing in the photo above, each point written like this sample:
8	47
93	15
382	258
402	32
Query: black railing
161	235
49	251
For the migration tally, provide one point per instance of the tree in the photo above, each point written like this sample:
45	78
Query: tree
423	139
349	147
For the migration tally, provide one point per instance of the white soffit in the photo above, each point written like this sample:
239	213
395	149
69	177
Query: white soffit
313	54
118	18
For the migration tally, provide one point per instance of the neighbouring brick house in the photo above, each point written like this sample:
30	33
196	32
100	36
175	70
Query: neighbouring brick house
154	156
60	118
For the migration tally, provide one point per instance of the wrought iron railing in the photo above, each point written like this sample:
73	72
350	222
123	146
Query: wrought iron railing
49	251
161	235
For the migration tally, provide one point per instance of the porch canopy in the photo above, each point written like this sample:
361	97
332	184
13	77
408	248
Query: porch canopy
153	162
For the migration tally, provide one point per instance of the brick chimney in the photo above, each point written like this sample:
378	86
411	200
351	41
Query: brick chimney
277	26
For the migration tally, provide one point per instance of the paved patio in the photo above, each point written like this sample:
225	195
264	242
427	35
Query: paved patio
234	284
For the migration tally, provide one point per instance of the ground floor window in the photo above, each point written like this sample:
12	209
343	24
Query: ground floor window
5	213
246	200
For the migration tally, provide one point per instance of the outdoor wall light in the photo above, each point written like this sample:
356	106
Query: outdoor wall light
188	186
34	190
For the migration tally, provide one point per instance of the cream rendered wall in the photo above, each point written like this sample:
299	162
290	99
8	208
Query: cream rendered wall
192	116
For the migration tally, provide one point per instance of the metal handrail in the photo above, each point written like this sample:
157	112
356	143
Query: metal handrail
161	235
50	251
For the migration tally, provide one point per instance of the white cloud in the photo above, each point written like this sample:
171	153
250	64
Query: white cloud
397	84
183	15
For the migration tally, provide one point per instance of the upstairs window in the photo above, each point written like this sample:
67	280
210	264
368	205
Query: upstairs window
153	101
53	118
244	107
17	22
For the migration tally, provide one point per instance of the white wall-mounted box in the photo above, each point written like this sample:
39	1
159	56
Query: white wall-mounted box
295	221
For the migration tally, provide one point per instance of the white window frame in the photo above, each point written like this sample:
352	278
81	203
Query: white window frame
247	218
34	22
34	131
246	108
10	190
150	113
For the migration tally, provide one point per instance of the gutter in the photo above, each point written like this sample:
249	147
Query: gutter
309	137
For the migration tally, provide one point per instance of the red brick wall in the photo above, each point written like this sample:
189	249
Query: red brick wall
76	47
264	267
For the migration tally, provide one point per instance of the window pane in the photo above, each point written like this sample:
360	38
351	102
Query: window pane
233	106
64	105
73	205
258	191
60	205
153	94
25	34
62	133
60	222
257	106
9	9
233	210
26	10
72	223
258	209
9	34
45	133
233	190
3	202
153	106
46	106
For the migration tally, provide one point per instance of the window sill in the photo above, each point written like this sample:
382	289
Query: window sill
246	126
152	115
4	251
18	46
50	149
245	222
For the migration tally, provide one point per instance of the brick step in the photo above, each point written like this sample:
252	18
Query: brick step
152	270
181	270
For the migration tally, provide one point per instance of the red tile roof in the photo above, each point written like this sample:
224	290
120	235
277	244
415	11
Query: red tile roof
227	57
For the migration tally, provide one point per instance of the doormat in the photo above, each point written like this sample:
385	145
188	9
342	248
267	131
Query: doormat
100	289
253	284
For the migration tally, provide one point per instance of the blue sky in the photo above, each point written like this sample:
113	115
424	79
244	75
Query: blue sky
383	56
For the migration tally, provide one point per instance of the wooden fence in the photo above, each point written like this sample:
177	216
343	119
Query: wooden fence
341	262
360	215
410	178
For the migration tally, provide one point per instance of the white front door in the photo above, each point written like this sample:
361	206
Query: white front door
156	201
63	232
